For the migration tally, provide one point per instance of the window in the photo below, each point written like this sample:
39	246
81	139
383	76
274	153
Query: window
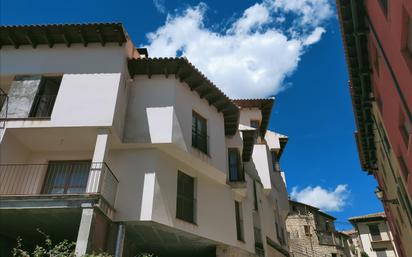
255	200
405	129
235	170
409	37
381	253
334	255
384	5
239	221
255	124
185	206
274	160
66	177
199	133
404	168
375	59
404	201
327	225
43	102
307	230
375	232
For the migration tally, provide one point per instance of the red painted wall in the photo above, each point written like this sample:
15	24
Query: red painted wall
391	31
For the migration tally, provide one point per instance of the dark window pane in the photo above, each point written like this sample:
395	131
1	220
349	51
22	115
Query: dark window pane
375	233
235	173
65	177
239	221
46	96
199	133
185	203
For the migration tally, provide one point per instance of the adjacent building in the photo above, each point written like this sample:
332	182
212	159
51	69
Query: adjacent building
377	37
312	233
119	152
374	235
353	243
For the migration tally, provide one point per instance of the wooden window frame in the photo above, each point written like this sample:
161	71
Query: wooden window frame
200	139
183	199
239	177
41	97
240	234
48	186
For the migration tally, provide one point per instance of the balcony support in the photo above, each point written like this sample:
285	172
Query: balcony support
99	156
84	235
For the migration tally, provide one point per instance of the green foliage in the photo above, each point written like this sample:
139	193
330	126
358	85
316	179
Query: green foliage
363	254
61	249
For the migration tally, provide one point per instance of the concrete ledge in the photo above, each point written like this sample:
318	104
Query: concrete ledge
47	201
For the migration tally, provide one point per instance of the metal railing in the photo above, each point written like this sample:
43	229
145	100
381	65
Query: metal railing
325	238
58	178
4	103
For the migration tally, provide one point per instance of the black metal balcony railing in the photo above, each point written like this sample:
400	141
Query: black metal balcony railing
4	100
58	178
42	106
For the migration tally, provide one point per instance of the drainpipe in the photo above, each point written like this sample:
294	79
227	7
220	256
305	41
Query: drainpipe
118	252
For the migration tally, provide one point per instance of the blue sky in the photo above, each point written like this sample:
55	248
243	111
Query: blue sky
281	48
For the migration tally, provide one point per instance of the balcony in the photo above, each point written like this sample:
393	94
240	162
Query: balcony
59	180
330	238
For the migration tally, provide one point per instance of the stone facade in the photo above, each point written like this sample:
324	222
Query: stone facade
312	233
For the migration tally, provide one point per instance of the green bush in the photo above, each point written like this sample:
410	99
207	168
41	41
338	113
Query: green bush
363	254
61	249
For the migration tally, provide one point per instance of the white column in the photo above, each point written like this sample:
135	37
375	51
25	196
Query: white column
83	236
99	155
120	240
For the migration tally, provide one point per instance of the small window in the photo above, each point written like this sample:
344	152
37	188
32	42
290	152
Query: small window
384	5
381	253
274	160
254	124
405	129
404	168
307	230
255	199
409	37
239	221
199	133
43	102
185	206
235	169
375	232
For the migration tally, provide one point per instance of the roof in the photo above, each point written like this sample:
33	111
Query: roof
276	142
67	34
348	232
354	33
265	105
313	208
368	217
197	82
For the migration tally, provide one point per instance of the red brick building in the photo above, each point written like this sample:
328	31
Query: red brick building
377	36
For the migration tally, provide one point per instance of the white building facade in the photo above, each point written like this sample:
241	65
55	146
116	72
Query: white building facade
122	153
374	235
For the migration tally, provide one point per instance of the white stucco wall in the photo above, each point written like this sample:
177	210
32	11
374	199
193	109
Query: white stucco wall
248	114
366	237
160	112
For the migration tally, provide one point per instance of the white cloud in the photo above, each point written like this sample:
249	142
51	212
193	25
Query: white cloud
160	5
253	56
324	199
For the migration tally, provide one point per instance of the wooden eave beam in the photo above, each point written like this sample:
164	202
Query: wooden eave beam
101	36
82	37
119	36
46	36
11	38
29	38
66	38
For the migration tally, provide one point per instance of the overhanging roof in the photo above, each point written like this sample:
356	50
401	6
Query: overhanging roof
354	33
197	82
67	34
369	217
249	139
312	208
265	105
